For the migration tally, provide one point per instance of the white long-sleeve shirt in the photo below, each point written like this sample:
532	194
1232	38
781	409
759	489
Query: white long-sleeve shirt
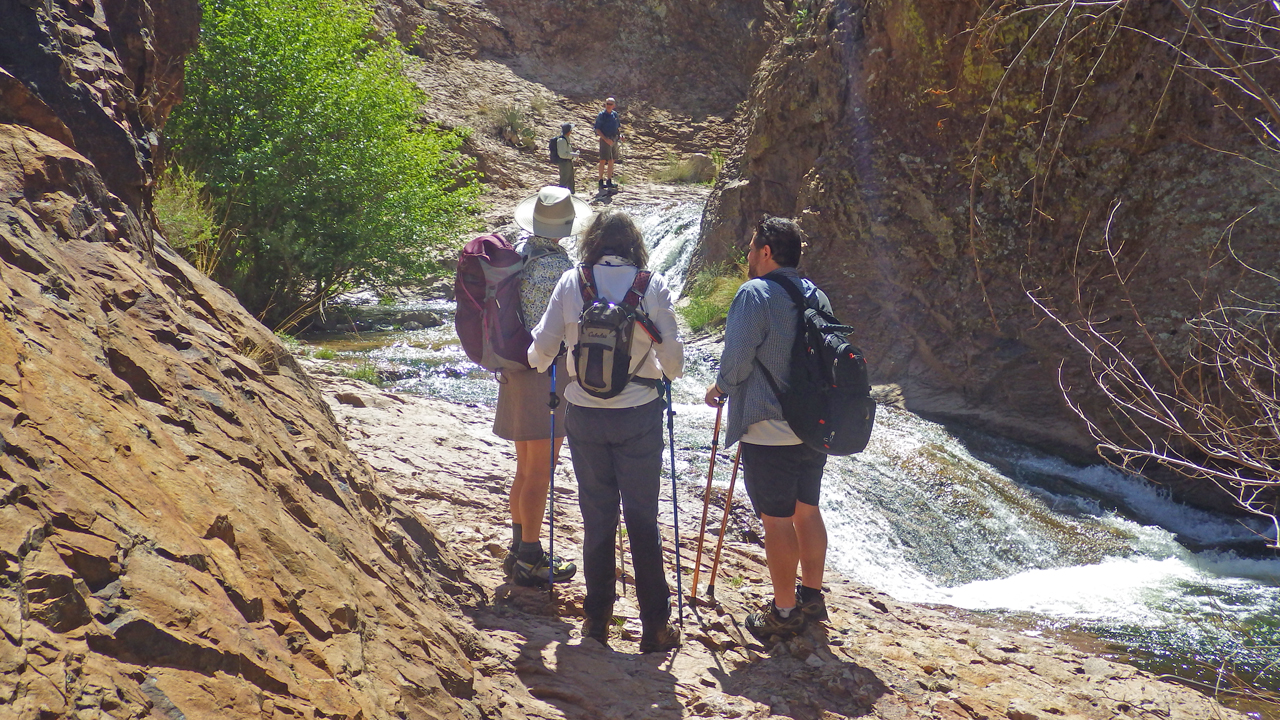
613	276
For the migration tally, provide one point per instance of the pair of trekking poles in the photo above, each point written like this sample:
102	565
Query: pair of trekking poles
553	401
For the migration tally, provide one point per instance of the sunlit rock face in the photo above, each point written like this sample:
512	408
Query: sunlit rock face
183	531
865	124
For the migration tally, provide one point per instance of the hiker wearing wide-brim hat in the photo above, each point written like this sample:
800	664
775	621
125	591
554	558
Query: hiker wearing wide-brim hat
522	415
553	213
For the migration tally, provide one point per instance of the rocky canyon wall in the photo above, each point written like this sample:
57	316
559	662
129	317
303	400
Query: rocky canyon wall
679	68
881	124
183	532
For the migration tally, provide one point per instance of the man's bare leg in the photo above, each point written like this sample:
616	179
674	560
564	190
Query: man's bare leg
811	536
782	552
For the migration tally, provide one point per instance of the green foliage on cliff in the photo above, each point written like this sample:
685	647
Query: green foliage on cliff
710	294
306	134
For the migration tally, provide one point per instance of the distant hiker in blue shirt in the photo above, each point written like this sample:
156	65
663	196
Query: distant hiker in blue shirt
609	131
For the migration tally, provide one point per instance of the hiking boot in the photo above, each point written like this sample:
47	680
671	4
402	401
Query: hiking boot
815	608
609	183
662	639
601	184
767	623
557	568
597	629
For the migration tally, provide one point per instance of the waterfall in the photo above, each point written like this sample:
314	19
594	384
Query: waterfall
671	236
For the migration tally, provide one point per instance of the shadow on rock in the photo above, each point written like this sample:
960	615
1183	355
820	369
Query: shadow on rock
804	678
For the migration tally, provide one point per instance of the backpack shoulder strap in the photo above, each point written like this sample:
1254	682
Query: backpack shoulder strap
797	296
587	284
801	303
639	286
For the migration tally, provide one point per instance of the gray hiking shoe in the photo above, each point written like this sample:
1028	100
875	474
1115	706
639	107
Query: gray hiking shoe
767	624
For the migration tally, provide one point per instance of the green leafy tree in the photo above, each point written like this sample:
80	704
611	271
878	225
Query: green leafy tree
306	133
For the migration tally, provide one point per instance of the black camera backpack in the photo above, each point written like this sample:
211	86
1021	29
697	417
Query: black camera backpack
827	400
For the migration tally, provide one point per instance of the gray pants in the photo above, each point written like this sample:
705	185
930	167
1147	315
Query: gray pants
566	175
617	454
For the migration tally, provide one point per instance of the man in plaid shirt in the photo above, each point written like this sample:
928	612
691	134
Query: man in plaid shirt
783	475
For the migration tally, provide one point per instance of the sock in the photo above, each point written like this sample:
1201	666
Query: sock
530	553
516	531
806	594
783	613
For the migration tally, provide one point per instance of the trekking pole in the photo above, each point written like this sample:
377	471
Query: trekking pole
552	402
675	505
724	523
706	500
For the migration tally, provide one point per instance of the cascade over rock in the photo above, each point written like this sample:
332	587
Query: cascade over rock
864	125
182	527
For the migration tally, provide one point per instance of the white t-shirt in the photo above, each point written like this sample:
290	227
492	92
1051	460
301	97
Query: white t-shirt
613	276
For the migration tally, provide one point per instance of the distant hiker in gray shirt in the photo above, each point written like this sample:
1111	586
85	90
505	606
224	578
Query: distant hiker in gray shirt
783	475
564	157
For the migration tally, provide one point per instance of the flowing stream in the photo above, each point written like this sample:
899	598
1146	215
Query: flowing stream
931	515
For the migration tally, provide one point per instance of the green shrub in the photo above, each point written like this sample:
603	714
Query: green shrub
710	294
694	169
717	157
325	354
186	217
291	343
364	372
306	133
513	126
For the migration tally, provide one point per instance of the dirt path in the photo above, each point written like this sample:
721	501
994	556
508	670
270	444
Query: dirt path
876	657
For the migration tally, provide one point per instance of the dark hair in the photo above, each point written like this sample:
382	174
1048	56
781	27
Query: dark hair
612	232
783	237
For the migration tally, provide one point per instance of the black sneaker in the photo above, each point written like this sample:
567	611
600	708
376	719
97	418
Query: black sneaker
767	623
557	568
815	608
609	183
601	184
597	629
663	639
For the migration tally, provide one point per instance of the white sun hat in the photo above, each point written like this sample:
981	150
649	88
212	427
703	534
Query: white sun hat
553	213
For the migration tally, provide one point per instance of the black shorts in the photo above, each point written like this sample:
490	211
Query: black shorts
778	475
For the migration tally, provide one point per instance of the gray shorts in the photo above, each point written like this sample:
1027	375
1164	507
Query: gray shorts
607	151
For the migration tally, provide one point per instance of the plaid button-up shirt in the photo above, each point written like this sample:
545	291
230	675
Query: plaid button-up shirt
761	325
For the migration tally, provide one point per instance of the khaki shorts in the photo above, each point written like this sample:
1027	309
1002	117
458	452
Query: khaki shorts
607	151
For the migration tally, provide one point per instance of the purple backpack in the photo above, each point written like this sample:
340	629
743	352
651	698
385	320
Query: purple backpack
488	319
